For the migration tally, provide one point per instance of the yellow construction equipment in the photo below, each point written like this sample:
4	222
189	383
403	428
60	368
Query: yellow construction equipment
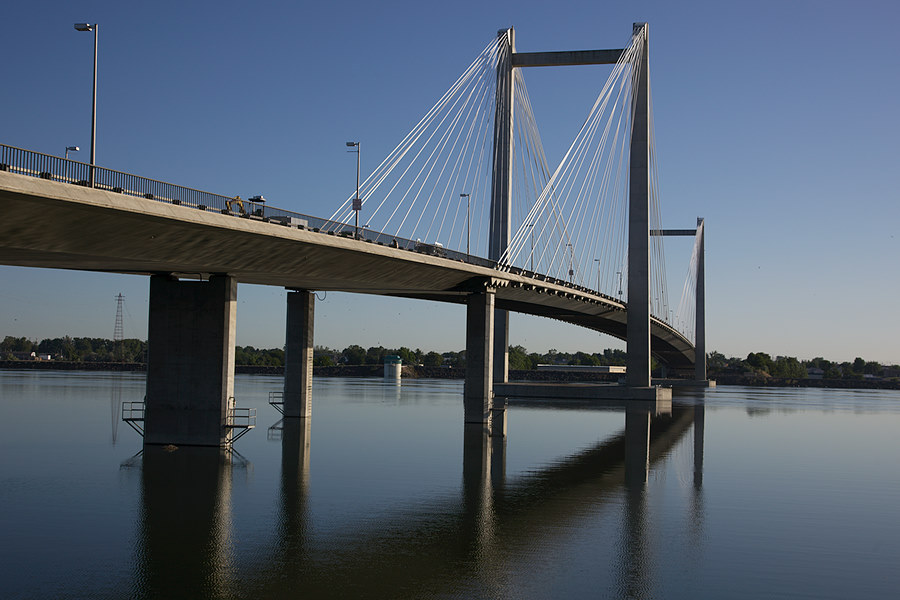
236	200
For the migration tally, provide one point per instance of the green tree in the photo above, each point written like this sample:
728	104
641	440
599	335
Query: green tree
323	360
519	359
788	367
716	361
433	359
375	355
584	359
14	344
760	361
353	355
872	368
615	357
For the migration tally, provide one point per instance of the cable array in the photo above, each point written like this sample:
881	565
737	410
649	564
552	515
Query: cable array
685	317
659	300
571	224
416	191
579	221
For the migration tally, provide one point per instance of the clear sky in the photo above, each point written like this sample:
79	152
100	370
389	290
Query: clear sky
775	120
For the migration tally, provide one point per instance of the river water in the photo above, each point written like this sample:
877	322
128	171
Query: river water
743	493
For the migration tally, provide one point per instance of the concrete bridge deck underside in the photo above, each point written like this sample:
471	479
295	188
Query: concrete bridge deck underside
56	225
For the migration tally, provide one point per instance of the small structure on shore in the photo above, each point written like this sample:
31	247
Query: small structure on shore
392	367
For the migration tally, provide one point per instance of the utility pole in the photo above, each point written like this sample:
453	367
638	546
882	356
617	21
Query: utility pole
119	330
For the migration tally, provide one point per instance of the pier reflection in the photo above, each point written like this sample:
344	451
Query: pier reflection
459	546
295	454
185	546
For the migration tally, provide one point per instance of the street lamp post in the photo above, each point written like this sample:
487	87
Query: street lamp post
597	260
69	149
468	198
571	261
95	28
357	203
619	273
531	227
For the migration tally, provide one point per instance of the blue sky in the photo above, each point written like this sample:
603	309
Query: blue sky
776	121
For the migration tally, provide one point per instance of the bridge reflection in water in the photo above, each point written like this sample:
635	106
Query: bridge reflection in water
451	546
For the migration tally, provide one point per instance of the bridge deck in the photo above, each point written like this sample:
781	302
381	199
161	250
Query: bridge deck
57	225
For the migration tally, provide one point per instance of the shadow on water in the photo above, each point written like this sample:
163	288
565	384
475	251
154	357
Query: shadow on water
454	546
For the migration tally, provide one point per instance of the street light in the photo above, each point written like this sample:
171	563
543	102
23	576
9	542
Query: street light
571	261
468	198
357	203
95	28
619	273
531	225
69	149
597	260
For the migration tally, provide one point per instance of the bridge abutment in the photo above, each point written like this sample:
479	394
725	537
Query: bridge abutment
298	354
190	360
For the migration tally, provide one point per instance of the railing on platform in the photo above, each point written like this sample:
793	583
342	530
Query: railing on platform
239	421
54	168
133	414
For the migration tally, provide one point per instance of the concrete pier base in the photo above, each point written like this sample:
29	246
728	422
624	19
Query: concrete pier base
298	354
582	391
190	361
686	383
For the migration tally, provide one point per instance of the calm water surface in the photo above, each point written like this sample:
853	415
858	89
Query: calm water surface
744	493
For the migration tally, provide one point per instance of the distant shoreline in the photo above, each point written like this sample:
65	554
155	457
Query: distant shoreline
420	372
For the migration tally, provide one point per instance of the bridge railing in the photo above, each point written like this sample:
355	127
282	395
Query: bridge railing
55	168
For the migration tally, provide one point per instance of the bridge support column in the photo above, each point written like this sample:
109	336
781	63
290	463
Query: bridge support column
479	389
700	312
190	360
298	354
501	189
638	336
501	346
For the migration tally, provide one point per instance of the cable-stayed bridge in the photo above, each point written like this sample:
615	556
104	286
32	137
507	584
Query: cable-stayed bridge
465	209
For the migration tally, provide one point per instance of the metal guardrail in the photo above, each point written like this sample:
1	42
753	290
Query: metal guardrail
240	421
54	168
133	414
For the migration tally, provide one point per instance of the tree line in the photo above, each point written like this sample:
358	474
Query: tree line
789	367
82	349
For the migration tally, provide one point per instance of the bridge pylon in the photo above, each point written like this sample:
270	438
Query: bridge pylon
501	189
638	334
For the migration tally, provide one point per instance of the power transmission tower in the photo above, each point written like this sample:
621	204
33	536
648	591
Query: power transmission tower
119	332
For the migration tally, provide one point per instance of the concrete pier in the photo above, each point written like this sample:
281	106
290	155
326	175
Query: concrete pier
479	391
190	360
298	354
